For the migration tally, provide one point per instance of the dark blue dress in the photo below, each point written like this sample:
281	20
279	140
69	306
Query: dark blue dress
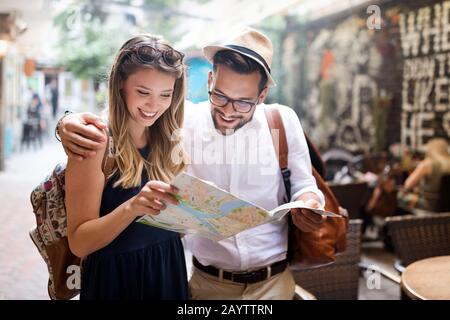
141	263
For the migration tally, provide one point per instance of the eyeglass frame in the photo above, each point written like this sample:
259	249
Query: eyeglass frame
232	101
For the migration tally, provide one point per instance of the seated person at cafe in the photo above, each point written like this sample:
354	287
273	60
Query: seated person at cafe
422	188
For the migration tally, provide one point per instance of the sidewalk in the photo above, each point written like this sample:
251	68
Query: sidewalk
23	274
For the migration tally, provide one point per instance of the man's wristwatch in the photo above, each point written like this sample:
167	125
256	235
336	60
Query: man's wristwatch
58	125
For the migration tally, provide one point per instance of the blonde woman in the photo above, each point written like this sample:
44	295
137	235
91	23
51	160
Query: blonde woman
126	260
427	176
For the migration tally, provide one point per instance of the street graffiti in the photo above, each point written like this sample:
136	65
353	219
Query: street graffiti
343	63
370	87
426	69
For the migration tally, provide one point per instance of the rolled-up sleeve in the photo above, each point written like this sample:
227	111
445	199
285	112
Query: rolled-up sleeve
299	161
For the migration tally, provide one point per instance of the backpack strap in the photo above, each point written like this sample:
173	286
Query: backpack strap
279	140
108	158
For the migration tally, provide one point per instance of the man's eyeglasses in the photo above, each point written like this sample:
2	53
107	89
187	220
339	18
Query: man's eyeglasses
219	100
146	54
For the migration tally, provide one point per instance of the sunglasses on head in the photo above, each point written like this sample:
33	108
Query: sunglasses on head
147	54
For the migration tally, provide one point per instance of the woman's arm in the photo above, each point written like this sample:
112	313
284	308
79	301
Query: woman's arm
87	231
423	169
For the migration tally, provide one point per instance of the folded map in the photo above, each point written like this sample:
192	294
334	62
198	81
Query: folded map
208	211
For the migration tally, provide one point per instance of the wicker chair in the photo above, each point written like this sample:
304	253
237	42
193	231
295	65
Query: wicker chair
339	280
418	237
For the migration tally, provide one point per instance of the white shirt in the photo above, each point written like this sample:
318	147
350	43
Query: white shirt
245	164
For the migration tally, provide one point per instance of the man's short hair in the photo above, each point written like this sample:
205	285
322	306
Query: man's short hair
240	64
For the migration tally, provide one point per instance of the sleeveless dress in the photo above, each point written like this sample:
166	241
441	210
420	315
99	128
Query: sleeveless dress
143	262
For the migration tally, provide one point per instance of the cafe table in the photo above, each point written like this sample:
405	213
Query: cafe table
427	279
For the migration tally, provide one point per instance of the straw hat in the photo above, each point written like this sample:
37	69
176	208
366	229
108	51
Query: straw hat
250	43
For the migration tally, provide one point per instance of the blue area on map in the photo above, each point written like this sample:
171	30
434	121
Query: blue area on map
225	209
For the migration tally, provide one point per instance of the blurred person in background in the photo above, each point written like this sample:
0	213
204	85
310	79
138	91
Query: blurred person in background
52	96
422	188
31	129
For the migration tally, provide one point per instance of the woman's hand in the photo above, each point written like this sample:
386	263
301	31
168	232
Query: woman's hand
152	198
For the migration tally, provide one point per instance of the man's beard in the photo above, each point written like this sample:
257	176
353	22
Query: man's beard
229	131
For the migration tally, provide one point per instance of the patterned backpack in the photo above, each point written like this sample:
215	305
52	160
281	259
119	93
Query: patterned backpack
50	233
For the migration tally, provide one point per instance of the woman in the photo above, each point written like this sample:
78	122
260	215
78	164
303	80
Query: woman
427	177
127	260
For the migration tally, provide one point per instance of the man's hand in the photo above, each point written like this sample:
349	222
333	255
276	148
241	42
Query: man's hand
307	220
81	135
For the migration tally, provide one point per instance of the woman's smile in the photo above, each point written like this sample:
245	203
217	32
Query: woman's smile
147	115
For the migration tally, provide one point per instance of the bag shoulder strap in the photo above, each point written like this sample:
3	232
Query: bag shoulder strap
108	158
280	144
279	140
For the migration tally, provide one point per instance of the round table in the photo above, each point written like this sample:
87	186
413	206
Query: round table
427	279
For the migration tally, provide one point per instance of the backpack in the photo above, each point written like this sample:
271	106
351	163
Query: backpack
309	249
50	233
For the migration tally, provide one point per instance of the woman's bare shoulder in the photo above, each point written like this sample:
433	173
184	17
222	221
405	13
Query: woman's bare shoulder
89	166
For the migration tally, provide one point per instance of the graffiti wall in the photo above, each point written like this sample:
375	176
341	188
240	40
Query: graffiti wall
368	81
426	69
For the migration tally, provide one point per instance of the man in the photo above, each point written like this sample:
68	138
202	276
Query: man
222	137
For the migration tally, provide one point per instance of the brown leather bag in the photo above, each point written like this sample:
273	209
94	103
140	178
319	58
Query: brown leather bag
309	249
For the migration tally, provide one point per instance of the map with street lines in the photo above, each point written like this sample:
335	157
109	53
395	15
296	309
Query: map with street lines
211	212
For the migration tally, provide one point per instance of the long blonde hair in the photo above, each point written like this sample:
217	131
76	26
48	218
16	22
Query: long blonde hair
437	150
128	160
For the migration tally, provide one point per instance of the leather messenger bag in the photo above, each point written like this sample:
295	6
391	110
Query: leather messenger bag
317	248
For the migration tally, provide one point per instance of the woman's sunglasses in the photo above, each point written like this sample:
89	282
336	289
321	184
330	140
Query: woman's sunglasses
148	54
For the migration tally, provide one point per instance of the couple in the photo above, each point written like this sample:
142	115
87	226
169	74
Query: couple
146	106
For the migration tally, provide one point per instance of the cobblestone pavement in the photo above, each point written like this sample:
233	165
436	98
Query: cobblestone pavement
23	274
